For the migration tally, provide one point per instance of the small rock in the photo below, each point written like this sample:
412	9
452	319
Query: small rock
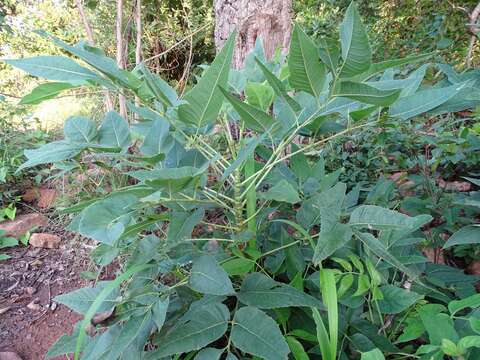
34	305
22	224
37	262
53	306
30	290
47	198
43	240
398	177
9	355
461	186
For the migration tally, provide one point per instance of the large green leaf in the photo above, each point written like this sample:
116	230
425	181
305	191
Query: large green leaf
44	92
278	86
182	224
80	129
157	140
379	249
423	101
327	204
80	300
114	131
170	179
253	117
322	336
376	217
56	68
209	354
466	235
329	52
472	302
283	191
329	297
396	300
209	278
159	312
200	327
330	240
133	335
374	354
97	60
106	219
205	99
380	67
51	153
307	73
366	93
256	333
106	292
356	52
262	292
259	95
160	88
438	325
296	348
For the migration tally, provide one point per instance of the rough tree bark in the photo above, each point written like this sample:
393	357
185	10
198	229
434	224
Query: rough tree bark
271	20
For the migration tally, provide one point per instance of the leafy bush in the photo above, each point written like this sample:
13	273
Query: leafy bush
231	236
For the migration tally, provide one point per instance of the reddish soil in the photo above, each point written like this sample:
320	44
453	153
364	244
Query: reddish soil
38	275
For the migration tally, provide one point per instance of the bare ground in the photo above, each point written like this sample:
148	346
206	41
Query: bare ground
30	320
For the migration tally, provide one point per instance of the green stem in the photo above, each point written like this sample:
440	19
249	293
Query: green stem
249	169
238	208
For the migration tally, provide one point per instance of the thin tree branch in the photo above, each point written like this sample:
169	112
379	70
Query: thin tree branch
91	40
120	54
138	47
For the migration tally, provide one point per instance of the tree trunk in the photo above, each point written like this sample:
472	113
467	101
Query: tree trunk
271	20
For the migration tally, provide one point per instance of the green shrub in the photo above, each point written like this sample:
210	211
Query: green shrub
231	233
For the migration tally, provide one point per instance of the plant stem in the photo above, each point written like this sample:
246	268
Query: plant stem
249	169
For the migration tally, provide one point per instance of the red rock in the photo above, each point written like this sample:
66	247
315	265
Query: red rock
47	198
460	186
47	241
22	224
398	176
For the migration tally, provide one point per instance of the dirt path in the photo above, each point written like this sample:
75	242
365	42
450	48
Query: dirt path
30	321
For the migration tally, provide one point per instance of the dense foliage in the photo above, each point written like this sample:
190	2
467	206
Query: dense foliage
238	232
